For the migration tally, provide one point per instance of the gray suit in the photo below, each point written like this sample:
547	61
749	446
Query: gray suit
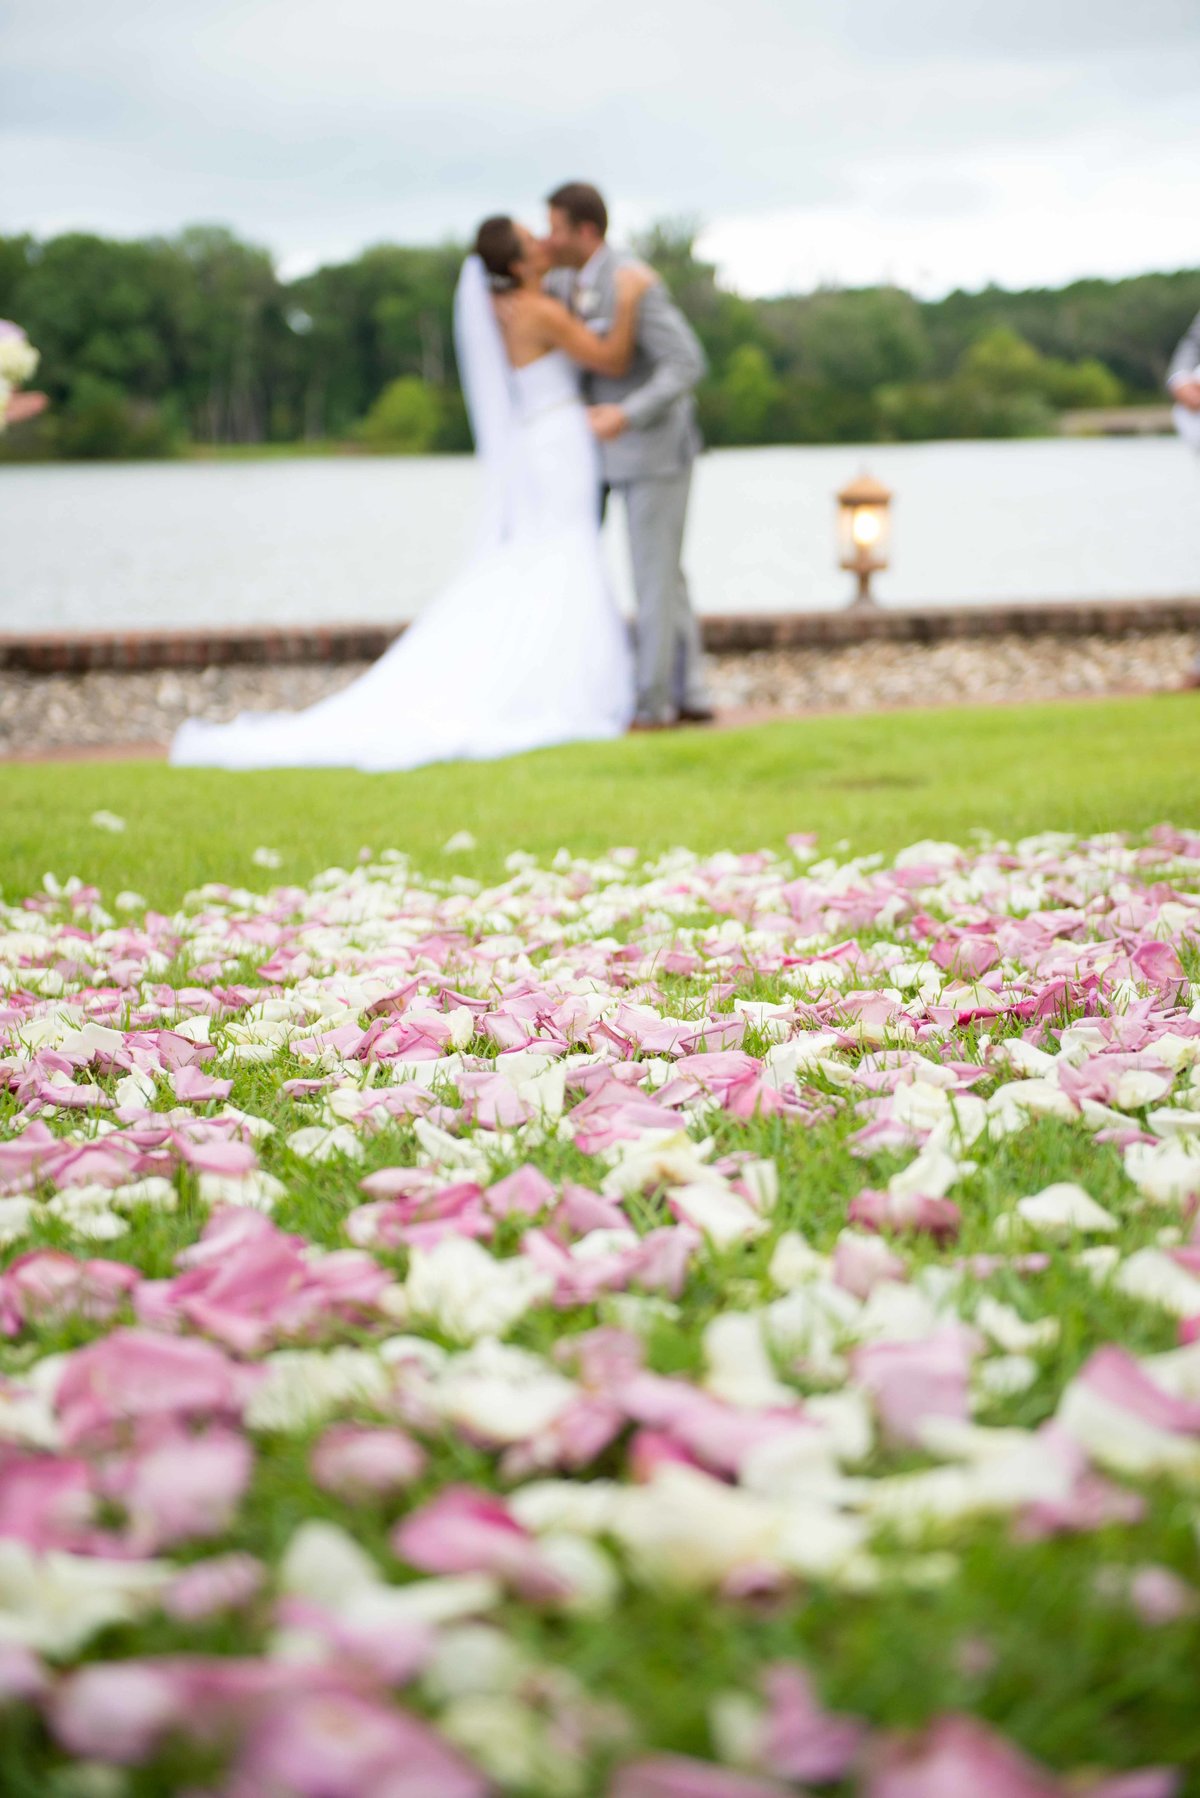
650	465
1186	359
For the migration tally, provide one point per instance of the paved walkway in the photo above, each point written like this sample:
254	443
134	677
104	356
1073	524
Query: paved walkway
103	752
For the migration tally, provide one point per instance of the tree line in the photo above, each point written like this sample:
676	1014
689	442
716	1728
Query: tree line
154	345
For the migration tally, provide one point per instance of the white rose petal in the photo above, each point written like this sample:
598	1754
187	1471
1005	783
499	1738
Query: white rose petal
587	1569
667	1158
514	1744
739	1367
1065	1209
1005	1375
15	1216
1174	1121
1009	1329
795	1263
1151	1275
685	1529
318	1142
473	1657
1165	1172
324	1564
1140	1086
303	1386
582	1508
55	1602
718	1212
501	1394
1116	1438
933	1172
257	1189
468	1293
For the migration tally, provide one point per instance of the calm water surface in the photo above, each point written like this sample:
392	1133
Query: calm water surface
188	544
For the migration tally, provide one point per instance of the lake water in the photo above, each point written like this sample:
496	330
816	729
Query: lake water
113	547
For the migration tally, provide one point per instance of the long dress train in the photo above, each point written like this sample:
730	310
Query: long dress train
524	649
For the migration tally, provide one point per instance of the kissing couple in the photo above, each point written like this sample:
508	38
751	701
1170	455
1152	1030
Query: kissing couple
577	369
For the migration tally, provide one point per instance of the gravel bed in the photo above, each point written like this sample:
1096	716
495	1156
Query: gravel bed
90	711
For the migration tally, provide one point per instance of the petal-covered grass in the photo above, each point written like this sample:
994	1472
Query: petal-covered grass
879	782
675	1324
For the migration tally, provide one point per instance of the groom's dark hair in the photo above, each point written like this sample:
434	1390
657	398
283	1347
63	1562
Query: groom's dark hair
582	203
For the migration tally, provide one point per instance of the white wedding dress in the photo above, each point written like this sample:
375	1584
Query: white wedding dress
526	647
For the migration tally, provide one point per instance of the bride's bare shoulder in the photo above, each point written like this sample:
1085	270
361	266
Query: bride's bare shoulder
530	323
543	305
523	306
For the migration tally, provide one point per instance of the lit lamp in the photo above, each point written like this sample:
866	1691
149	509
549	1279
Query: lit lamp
864	526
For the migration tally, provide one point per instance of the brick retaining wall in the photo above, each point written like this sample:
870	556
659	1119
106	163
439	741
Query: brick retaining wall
83	652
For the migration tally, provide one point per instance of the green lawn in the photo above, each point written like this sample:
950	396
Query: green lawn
880	782
1025	1635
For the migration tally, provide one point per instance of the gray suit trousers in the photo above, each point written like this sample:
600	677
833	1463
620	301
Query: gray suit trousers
670	669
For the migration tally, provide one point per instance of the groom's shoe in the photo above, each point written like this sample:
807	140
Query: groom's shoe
697	714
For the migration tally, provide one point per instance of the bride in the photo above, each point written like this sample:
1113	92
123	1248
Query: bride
526	647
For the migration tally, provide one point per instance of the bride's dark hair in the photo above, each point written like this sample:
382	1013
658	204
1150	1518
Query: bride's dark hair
498	247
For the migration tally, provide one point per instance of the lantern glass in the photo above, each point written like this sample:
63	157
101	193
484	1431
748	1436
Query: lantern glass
866	526
863	525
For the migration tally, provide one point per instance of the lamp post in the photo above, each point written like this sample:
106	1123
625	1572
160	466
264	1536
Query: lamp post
864	527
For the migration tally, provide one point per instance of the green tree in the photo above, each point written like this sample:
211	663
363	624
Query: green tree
385	314
1002	387
17	255
748	394
144	341
1001	362
101	422
1080	384
99	308
851	340
232	325
1130	326
405	417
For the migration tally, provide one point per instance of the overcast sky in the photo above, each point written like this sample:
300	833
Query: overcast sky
937	143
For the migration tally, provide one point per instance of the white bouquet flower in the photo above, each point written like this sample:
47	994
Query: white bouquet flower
18	361
18	358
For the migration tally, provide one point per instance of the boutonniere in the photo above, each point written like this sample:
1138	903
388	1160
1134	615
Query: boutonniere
587	299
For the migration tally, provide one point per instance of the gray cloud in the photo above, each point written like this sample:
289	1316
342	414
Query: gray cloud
318	129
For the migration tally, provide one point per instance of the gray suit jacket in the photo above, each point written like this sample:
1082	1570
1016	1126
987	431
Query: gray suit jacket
1186	359
656	392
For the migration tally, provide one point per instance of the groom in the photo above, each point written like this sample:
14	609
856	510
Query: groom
645	421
